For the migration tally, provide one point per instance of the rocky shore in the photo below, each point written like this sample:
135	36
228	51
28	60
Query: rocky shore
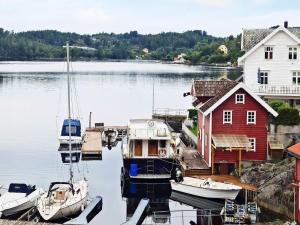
274	182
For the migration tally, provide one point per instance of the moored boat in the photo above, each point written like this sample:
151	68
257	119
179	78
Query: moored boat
206	188
148	153
18	198
75	128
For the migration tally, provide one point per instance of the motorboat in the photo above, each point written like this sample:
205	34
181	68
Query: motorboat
18	198
147	152
74	136
63	200
206	188
110	137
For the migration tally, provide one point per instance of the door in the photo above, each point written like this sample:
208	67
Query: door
224	169
138	148
153	148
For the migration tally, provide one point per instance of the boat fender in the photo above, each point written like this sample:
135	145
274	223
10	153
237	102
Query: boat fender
162	152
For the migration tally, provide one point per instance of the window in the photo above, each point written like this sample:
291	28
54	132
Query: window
162	143
268	52
292	52
227	116
296	77
72	128
253	144
239	98
251	117
263	77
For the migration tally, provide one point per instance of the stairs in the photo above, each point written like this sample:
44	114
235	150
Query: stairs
150	166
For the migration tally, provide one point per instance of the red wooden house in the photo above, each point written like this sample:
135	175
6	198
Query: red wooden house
232	124
295	152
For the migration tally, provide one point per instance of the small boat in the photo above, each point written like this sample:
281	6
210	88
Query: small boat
76	138
63	200
110	137
18	198
148	153
206	188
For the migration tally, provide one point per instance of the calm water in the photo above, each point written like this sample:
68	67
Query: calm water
33	105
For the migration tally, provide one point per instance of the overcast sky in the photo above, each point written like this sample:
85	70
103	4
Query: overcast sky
217	17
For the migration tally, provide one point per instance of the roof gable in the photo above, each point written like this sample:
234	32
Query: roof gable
295	150
225	93
253	39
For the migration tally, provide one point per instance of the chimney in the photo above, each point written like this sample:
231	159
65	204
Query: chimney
286	24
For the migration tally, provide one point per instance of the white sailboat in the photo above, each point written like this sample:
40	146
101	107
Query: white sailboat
64	199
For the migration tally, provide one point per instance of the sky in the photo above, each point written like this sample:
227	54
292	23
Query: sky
218	17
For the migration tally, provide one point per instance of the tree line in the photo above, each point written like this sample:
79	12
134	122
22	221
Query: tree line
198	46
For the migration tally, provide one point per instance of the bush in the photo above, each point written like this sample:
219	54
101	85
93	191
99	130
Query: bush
287	116
277	105
193	114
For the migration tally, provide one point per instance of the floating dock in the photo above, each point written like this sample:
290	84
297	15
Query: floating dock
15	222
92	144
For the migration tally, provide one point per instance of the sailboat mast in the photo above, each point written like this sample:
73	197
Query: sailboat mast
69	111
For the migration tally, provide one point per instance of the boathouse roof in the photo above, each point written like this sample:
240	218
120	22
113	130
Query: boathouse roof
294	150
251	37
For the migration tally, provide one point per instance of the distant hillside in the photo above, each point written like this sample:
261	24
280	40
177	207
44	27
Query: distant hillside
47	44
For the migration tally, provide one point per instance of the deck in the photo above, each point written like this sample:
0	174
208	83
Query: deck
92	143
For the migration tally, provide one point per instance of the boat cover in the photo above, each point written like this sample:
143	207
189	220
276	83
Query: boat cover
75	128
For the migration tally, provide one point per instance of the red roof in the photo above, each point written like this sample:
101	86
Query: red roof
295	150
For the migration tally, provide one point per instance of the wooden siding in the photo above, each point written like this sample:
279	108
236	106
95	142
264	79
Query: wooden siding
239	126
279	67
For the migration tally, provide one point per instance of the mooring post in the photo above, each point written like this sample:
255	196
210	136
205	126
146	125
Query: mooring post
90	120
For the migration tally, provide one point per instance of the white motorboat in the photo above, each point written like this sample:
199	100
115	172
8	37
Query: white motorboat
18	198
75	128
206	188
63	200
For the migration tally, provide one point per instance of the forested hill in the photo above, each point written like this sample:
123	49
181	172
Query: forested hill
47	44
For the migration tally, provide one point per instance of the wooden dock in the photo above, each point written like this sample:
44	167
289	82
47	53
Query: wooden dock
16	222
92	144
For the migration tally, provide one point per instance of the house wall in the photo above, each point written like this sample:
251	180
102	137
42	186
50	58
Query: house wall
297	181
280	67
239	126
207	140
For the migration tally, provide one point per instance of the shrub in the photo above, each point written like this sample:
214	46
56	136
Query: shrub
287	116
193	114
277	105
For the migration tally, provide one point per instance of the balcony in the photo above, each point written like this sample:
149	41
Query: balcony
278	90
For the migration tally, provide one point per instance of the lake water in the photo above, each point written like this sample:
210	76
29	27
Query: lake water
33	105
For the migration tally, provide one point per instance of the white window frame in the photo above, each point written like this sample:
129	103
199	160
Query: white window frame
293	52
251	111
224	112
270	52
296	76
253	147
264	77
237	101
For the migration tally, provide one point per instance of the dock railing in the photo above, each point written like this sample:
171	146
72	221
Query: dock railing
170	112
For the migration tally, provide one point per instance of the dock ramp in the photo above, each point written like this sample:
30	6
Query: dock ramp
135	219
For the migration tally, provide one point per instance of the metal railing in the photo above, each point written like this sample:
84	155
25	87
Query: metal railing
170	112
279	89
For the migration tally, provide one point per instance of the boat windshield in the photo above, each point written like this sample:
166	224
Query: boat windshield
20	188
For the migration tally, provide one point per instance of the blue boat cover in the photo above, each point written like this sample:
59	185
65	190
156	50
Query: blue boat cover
20	188
75	128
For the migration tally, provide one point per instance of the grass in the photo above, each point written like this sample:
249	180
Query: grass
194	130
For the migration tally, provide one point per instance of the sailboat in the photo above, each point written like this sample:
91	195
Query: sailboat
64	199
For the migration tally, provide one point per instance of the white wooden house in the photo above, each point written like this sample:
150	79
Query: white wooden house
271	63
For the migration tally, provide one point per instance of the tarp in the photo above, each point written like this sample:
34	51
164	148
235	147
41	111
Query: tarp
231	142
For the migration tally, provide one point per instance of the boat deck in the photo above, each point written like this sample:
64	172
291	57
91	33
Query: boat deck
232	180
151	176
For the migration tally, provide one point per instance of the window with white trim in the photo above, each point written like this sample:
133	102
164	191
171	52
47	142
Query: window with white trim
296	77
292	53
263	77
268	52
251	117
227	116
239	98
252	142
